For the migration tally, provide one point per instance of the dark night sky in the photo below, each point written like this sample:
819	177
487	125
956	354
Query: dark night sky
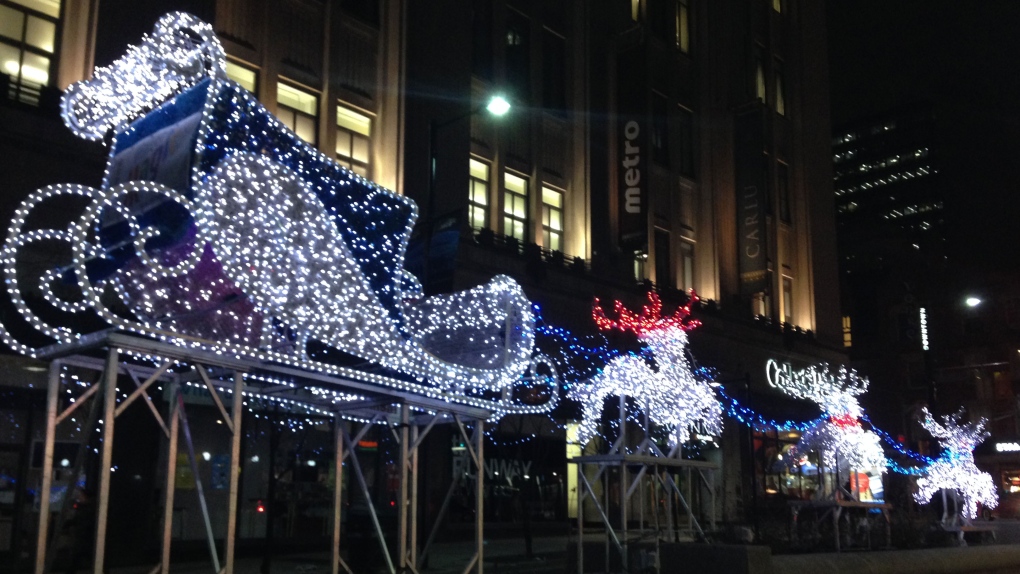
962	56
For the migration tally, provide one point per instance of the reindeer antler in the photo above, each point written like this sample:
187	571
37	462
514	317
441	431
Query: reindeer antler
650	318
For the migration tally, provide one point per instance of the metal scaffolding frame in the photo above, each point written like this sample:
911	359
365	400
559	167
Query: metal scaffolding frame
656	472
408	416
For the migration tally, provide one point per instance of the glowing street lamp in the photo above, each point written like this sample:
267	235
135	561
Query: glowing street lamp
972	301
498	106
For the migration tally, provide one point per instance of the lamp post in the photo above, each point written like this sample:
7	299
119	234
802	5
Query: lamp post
498	106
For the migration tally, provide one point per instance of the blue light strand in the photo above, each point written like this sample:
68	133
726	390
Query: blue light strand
895	444
749	417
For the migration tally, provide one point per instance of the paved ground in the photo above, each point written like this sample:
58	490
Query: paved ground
501	556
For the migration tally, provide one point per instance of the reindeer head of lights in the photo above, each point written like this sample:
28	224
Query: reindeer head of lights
216	226
671	394
955	469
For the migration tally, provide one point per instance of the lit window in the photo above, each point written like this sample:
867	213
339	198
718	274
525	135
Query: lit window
353	138
683	30
687	266
515	206
245	77
478	194
640	260
788	300
28	32
759	80
847	340
780	96
552	219
298	110
635	9
777	5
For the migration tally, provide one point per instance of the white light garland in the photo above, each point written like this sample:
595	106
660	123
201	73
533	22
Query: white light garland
955	469
670	394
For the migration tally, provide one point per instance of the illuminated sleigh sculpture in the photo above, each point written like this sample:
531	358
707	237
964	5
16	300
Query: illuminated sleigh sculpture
217	227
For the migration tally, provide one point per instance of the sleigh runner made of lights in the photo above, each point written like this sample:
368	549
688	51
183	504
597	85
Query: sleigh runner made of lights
217	227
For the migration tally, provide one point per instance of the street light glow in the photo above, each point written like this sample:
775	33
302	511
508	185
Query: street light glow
972	301
498	106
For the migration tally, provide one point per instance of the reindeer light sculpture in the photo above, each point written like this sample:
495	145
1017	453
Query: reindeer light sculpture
838	436
671	394
955	469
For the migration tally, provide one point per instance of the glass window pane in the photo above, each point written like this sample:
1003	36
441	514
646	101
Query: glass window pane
297	99
360	151
516	184
554	242
286	117
49	7
305	128
479	170
479	193
552	197
518	229
360	170
520	209
477	217
555	220
356	122
12	22
242	75
40	33
343	143
35	69
10	58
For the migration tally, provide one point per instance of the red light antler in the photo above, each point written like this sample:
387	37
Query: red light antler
650	319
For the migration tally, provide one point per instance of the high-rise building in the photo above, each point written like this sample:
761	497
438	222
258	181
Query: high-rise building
666	144
890	214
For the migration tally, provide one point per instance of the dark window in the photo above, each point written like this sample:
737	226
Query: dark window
365	10
518	55
554	74
660	19
685	132
481	39
663	278
783	188
660	130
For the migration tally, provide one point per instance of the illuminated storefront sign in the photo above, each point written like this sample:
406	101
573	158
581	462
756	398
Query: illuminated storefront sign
803	382
1007	447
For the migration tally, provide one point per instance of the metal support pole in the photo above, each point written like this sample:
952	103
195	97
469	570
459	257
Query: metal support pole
580	519
235	472
338	469
405	412
371	507
52	389
171	481
480	492
105	466
198	484
413	556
